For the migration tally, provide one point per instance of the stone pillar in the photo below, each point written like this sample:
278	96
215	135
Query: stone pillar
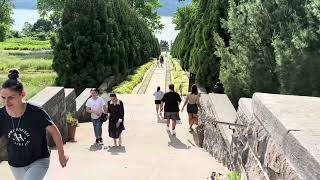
81	100
70	98
52	99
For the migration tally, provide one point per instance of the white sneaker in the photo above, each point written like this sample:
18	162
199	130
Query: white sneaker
173	132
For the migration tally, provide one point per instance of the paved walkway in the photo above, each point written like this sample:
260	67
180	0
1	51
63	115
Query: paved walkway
148	152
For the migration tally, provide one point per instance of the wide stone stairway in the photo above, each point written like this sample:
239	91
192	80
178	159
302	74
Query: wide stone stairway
149	152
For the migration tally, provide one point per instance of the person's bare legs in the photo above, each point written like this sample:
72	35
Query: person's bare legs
157	108
190	121
174	122
168	124
195	119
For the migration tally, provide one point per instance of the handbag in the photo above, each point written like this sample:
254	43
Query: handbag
104	117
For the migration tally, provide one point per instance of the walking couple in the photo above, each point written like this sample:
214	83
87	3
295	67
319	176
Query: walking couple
114	109
171	101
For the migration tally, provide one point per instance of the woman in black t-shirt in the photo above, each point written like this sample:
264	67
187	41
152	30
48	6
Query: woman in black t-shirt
25	126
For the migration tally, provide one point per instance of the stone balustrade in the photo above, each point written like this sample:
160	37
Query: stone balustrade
276	136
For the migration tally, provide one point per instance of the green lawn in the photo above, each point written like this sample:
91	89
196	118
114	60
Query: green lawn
25	61
34	82
24	44
35	68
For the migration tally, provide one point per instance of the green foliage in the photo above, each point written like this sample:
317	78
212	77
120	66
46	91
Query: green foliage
71	121
195	45
233	176
164	45
24	44
13	34
252	46
8	62
46	6
42	25
5	18
179	77
146	9
272	49
132	81
34	82
35	68
41	30
99	39
184	15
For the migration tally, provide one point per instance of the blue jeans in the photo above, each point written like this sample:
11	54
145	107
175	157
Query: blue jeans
97	126
34	171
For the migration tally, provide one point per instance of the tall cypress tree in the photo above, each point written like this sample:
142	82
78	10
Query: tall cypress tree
195	44
99	38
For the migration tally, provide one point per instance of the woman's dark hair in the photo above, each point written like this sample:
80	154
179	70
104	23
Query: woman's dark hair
113	95
194	89
13	83
158	88
95	90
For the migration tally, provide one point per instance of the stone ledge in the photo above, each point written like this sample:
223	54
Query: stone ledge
52	99
223	111
81	100
293	124
70	98
217	139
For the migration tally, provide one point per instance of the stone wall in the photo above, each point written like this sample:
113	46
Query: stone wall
279	139
70	98
81	100
217	137
52	99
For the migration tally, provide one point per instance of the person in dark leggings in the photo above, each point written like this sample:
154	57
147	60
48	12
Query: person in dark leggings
25	127
193	102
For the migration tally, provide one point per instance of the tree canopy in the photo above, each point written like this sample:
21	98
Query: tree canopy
252	46
5	18
144	8
98	39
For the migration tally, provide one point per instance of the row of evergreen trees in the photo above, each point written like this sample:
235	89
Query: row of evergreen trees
98	39
252	46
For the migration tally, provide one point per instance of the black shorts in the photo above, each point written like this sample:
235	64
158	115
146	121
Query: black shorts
192	108
157	101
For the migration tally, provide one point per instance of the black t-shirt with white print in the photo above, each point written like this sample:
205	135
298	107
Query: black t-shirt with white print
27	140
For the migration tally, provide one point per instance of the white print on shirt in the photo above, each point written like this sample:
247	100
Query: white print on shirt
19	136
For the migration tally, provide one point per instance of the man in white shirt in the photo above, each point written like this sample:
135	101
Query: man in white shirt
96	106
